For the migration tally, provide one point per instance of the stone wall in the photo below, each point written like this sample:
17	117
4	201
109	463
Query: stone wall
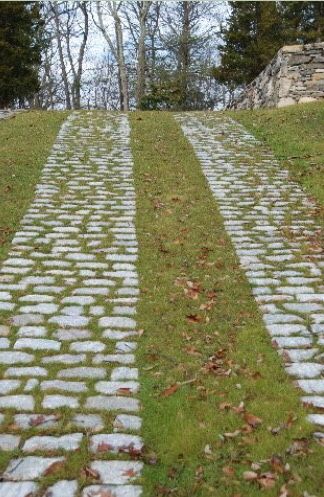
295	75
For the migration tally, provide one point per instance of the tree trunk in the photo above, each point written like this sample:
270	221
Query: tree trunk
184	53
77	80
141	54
124	96
61	56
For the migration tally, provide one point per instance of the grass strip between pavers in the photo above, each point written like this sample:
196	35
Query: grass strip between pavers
25	142
204	350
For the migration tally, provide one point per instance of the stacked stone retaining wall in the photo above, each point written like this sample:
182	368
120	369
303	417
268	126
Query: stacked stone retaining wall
295	75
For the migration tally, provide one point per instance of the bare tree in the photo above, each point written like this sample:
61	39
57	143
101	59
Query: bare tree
71	22
116	46
76	28
137	25
58	33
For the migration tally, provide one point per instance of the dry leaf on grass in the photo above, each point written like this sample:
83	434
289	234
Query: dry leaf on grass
170	390
252	420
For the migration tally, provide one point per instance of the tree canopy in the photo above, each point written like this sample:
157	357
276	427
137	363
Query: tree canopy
20	50
255	31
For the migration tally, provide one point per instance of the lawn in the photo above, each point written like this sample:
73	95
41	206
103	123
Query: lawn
217	404
209	373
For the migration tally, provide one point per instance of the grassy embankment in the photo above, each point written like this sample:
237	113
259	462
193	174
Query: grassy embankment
204	350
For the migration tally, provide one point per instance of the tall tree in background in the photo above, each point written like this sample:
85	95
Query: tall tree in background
251	38
116	45
136	14
20	51
71	21
303	21
182	56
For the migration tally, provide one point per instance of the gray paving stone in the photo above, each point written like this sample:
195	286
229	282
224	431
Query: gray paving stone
67	386
113	403
117	387
72	334
305	369
68	442
7	386
11	357
119	335
292	342
79	300
303	308
9	442
64	359
39	421
89	422
117	472
87	346
31	384
117	322
311	386
314	400
127	422
30	467
35	297
25	319
63	488
124	373
114	490
55	401
31	331
37	344
7	306
69	320
83	372
89	291
18	489
17	402
4	343
317	419
26	371
298	355
115	442
287	329
72	310
114	358
126	346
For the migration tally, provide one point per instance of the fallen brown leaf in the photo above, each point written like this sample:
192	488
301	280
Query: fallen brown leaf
252	420
267	480
170	390
194	318
228	470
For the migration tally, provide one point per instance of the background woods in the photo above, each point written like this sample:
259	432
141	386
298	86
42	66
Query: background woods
143	54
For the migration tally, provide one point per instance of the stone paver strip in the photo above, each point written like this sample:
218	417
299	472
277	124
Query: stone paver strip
68	297
269	219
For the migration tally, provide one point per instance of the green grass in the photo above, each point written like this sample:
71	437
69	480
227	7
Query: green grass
182	240
25	142
295	135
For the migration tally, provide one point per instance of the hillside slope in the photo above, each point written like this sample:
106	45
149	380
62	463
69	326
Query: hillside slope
295	135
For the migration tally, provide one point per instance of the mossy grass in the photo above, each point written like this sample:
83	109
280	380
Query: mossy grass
195	305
